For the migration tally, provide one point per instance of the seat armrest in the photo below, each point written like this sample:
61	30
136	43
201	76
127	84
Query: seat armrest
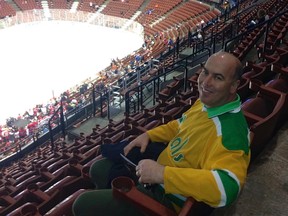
124	188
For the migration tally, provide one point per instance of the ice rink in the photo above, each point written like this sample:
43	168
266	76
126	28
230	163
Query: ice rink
40	58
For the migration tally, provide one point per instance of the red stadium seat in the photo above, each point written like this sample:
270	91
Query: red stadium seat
262	114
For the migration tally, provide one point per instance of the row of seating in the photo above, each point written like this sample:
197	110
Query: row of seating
48	168
253	37
28	5
124	9
6	10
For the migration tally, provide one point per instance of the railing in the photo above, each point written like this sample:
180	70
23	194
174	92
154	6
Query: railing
266	23
191	61
62	124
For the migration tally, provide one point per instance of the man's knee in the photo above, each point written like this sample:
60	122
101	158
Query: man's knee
80	204
92	201
99	172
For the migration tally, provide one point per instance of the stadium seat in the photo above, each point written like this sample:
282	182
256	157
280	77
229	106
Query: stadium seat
260	71
26	209
172	114
243	89
262	114
280	85
148	126
171	89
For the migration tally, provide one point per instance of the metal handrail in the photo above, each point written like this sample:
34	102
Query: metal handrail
183	63
267	23
62	124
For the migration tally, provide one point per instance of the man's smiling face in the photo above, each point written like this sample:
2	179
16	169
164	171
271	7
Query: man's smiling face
217	83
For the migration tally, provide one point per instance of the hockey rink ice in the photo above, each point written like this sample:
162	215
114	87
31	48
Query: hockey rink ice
40	59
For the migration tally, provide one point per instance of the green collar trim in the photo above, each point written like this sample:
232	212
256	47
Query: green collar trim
233	106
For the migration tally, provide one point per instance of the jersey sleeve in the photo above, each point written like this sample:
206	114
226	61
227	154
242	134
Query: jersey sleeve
164	133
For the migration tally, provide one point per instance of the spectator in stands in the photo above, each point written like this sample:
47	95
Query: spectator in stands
261	16
22	133
251	24
170	43
206	153
138	58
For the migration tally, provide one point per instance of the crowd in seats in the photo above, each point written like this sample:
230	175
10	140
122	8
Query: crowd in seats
34	122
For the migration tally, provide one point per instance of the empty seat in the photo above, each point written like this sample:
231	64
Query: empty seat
243	89
148	126
280	85
171	89
260	71
262	114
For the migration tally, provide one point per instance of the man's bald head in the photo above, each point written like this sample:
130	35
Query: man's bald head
231	61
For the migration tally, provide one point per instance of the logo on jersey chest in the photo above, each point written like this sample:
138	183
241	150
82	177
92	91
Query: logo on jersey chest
175	148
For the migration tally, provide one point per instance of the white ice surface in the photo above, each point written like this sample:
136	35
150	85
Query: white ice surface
37	59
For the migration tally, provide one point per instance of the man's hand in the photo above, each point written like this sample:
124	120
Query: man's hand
150	172
141	141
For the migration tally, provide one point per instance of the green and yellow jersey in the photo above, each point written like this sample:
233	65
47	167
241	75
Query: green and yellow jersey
207	155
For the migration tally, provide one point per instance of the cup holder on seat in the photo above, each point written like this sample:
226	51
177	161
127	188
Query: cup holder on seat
122	184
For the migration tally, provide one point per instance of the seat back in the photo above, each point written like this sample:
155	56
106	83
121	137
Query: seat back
243	89
263	114
280	85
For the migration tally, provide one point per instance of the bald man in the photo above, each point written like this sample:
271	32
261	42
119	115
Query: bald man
206	154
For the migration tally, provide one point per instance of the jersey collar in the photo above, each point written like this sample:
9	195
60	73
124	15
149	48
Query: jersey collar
234	106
